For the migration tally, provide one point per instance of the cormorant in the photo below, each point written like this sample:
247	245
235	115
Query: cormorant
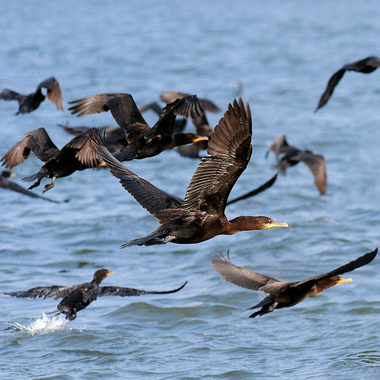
282	293
28	103
201	215
78	297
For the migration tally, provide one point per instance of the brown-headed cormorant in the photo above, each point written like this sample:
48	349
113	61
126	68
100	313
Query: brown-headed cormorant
282	293
78	297
201	215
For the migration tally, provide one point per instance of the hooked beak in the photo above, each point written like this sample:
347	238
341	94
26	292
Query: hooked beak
201	139
277	224
341	280
110	273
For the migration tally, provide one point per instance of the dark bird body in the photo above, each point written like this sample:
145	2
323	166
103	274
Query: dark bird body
29	103
364	66
282	293
201	215
143	140
78	154
78	297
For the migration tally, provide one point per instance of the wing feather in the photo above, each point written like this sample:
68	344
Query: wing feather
37	141
230	150
239	276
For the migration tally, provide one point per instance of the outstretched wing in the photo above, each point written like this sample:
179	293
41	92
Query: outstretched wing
83	149
240	276
317	165
53	91
123	109
128	292
5	184
37	141
171	96
199	119
359	262
149	196
188	106
254	192
42	291
279	146
7	94
334	80
230	150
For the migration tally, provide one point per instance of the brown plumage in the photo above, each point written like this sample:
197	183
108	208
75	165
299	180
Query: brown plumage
78	297
282	293
28	103
78	154
6	184
143	141
201	215
364	66
291	156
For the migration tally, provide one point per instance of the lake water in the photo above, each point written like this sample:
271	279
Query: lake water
284	53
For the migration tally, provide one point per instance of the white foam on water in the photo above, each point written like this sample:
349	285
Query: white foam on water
44	324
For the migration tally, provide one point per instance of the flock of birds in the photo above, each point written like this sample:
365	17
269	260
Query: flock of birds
198	217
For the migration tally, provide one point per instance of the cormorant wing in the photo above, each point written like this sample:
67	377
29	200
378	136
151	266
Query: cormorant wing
239	276
230	150
188	106
83	149
334	80
149	196
6	184
74	130
43	291
359	262
317	165
279	146
254	192
171	96
128	292
154	106
123	109
53	91
7	94
37	141
199	119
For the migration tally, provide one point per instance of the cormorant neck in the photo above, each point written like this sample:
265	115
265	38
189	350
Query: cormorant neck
184	138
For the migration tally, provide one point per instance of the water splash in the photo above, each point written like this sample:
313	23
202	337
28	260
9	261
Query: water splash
44	324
